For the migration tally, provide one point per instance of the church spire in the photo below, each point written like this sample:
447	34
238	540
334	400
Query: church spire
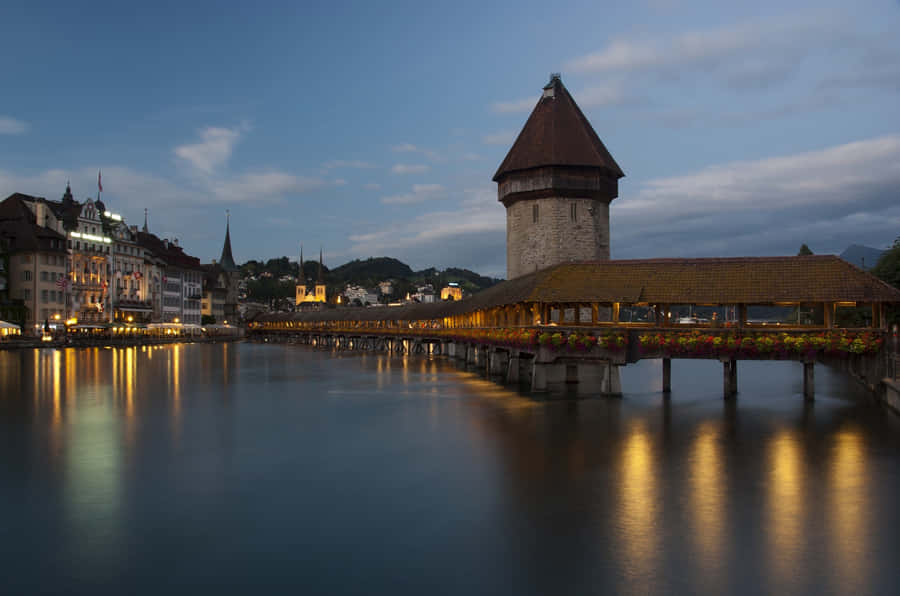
302	274
227	261
320	280
146	228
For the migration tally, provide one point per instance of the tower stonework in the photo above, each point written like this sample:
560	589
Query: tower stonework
556	183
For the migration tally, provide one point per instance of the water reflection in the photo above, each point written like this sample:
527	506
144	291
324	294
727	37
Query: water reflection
392	465
786	502
708	495
639	531
848	508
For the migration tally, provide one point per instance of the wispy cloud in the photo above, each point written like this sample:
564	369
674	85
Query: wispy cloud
840	195
11	126
371	186
404	148
419	194
516	106
470	235
501	137
213	150
347	163
339	182
402	168
262	187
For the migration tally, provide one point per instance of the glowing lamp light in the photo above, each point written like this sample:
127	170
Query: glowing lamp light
56	317
176	320
130	318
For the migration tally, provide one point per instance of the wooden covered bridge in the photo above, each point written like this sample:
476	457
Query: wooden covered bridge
576	323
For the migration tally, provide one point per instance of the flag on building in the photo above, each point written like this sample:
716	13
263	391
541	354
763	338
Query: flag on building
62	283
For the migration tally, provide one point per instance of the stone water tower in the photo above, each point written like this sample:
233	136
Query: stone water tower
556	183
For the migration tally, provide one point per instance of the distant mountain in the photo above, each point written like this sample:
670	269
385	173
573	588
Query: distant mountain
863	257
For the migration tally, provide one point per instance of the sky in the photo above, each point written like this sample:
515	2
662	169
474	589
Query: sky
374	128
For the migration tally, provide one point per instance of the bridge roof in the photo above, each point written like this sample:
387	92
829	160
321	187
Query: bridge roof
557	134
739	280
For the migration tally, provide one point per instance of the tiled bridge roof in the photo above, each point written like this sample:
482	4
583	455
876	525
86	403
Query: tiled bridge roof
740	280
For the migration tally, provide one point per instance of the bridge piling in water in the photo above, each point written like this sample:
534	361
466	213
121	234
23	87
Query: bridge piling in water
667	375
809	381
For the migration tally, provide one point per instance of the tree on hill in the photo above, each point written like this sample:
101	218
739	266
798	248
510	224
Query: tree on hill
804	251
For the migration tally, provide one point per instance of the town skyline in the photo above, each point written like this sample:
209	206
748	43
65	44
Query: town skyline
777	127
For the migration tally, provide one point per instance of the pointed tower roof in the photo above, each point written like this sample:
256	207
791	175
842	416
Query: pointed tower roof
226	260
557	134
320	279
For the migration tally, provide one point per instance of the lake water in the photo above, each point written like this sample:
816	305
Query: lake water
255	468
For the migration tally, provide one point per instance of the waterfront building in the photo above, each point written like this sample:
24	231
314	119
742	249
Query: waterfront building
556	183
130	299
180	280
34	264
215	292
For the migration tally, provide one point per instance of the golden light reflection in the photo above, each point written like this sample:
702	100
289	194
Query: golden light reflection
57	410
848	509
639	508
785	508
708	486
176	380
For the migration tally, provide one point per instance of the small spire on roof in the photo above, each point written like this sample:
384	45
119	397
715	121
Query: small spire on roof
146	229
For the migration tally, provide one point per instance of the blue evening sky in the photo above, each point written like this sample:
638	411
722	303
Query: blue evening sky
374	128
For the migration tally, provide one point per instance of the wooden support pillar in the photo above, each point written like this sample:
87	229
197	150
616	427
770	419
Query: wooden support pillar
828	311
615	312
595	308
729	368
809	381
667	375
742	315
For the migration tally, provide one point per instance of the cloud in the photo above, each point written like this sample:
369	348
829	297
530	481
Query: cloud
516	106
698	49
410	148
371	186
339	182
758	55
419	194
401	168
214	149
502	137
262	187
11	126
832	197
471	235
345	163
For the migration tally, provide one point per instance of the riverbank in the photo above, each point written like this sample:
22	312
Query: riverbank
94	342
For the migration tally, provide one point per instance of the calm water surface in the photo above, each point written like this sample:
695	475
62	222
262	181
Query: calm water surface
246	468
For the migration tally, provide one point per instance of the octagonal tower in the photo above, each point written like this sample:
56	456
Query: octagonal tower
556	183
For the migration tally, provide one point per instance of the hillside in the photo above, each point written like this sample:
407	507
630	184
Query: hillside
367	273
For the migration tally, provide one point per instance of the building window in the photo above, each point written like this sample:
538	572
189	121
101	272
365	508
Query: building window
26	258
535	214
573	211
26	275
26	294
43	276
44	296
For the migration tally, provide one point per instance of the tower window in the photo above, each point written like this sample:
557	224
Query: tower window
534	213
573	211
